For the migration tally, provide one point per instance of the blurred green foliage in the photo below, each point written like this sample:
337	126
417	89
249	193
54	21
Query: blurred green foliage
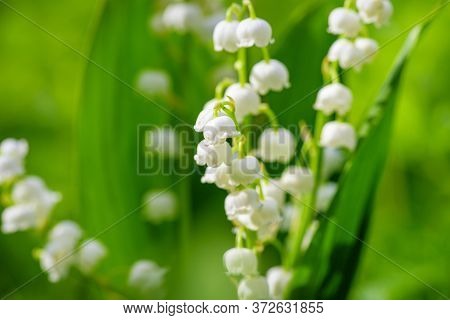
40	94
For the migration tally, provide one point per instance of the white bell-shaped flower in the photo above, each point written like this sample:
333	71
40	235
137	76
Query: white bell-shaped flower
10	168
182	17
17	149
164	141
243	202
19	217
154	83
273	189
90	254
220	176
225	37
240	261
333	98
213	155
160	206
255	288
346	54
325	195
67	232
206	115
245	170
56	258
146	276
288	213
267	215
333	161
254	32
245	98
277	145
219	129
297	180
278	279
337	134
343	21
269	75
377	12
33	190
368	48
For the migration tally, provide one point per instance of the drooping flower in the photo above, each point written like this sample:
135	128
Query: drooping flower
245	98
333	161
254	32
377	12
273	189
245	170
343	21
333	98
182	17
33	190
90	254
255	288
219	129
220	176
297	180
346	54
225	37
56	258
243	202
240	261
325	195
146	276
267	215
269	75
67	232
10	168
160	206
368	48
277	145
337	134
154	83
213	155
13	148
206	115
19	217
278	279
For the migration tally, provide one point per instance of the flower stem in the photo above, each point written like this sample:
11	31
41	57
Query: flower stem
266	54
251	9
241	66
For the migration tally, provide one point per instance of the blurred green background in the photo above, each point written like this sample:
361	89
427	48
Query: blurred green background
46	98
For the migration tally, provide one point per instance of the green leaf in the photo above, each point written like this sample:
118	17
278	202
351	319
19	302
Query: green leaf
334	253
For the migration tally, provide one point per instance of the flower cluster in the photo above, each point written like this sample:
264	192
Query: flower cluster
260	206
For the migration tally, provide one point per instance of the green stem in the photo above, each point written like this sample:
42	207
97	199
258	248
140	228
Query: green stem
251	9
220	88
234	9
241	66
266	54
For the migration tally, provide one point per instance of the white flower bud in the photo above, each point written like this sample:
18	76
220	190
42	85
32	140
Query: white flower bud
277	145
160	206
255	288
220	176
241	203
377	12
245	98
213	155
146	276
17	149
297	180
278	279
90	254
368	48
206	115
338	135
56	258
67	232
346	54
33	190
333	161
10	168
272	75
333	98
19	217
254	32
153	83
325	195
245	171
182	17
219	129
163	141
342	21
273	189
266	216
240	261
224	36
